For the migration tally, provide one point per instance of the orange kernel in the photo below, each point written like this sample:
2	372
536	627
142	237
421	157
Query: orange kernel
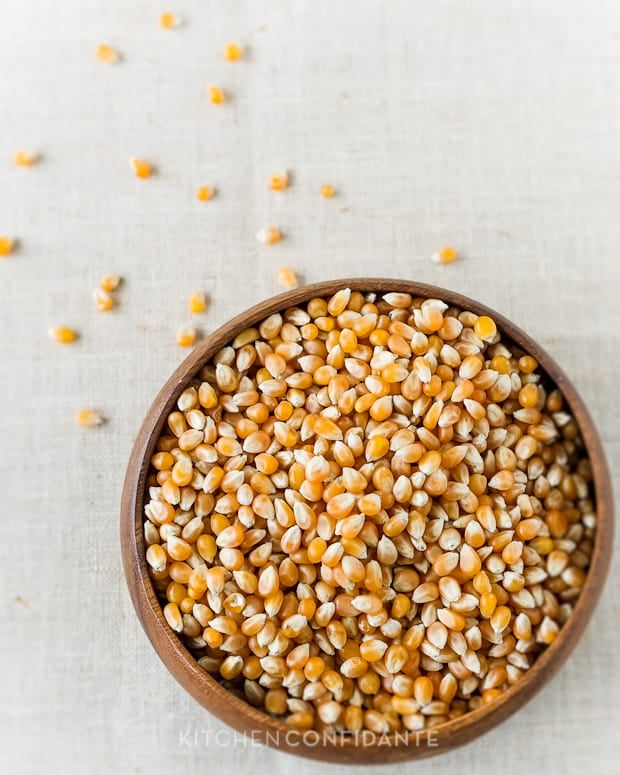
62	334
6	246
107	54
197	302
287	277
269	235
233	51
204	193
186	336
445	256
140	167
88	418
216	94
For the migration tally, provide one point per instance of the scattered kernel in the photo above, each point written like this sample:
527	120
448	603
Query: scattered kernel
186	336
327	191
26	159
216	95
233	51
109	282
141	168
204	193
88	418
278	182
197	302
287	277
269	236
169	21
107	54
445	256
63	334
102	300
6	246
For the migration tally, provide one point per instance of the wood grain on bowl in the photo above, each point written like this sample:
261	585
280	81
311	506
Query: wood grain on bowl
242	716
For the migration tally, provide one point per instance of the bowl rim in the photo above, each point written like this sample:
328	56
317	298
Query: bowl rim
249	720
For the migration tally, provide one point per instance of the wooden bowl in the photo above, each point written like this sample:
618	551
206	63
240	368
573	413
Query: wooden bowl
253	722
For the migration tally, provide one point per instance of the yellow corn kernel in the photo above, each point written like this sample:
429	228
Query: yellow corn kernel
204	193
109	282
278	182
327	191
186	336
6	246
102	300
485	327
216	94
25	158
107	54
88	418
141	168
445	256
269	235
233	51
169	21
63	334
197	302
287	277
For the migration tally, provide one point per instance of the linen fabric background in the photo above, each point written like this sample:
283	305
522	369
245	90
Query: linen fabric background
492	126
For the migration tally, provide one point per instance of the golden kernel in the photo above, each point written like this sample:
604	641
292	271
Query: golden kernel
197	302
107	54
62	334
25	158
102	300
269	235
140	167
109	282
186	336
327	191
169	21
204	193
278	182
485	328
445	256
88	418
216	94
6	246
287	277
233	51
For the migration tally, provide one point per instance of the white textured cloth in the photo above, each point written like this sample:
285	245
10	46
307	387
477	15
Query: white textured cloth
493	126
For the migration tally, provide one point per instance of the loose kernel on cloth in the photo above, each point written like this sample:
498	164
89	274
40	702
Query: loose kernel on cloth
278	182
233	51
6	246
197	302
369	512
216	94
169	21
269	235
107	54
327	191
140	167
204	193
186	336
88	418
287	277
102	300
109	282
445	256
63	334
26	158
